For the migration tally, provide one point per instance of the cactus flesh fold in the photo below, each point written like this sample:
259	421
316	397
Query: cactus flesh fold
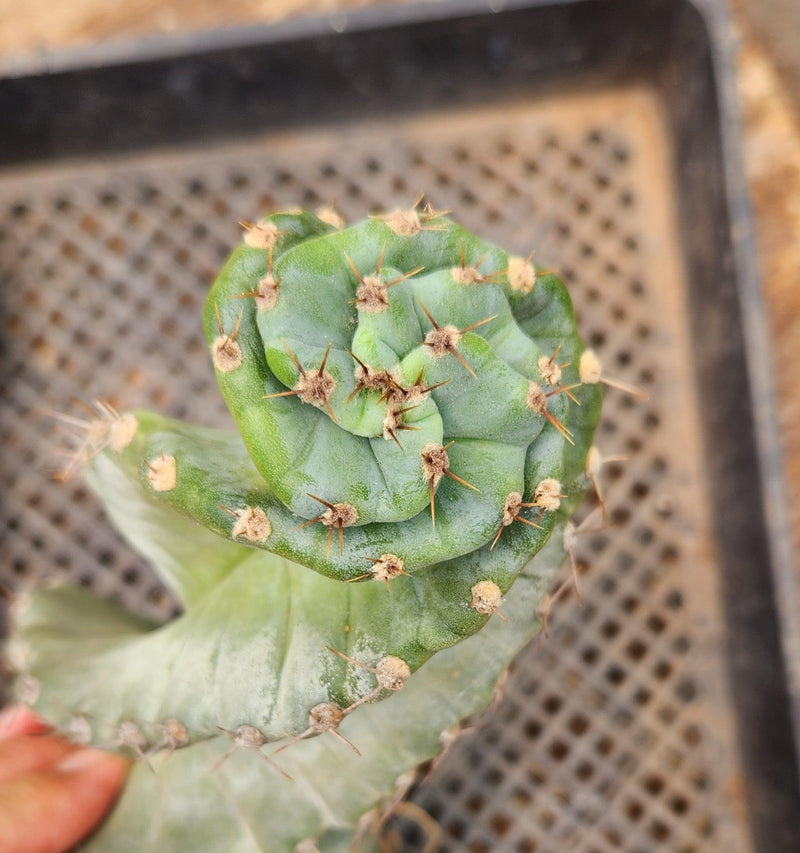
357	561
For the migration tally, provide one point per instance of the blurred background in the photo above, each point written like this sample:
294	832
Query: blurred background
632	740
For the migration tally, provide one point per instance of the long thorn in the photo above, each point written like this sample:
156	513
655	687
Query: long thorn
350	660
325	359
463	482
575	576
309	522
293	357
224	758
563	389
236	328
458	355
353	268
479	323
428	314
402	277
497	536
339	736
628	389
319	500
528	521
560	427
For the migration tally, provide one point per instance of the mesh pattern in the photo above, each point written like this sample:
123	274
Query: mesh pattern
614	734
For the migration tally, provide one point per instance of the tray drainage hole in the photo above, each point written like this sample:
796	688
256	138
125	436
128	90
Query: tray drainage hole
590	655
691	735
646	376
492	737
662	670
578	724
105	558
636	650
621	154
493	776
602	181
686	690
674	600
558	750
456	829
520	797
659	831
678	804
150	194
547	819
629	604
653	784
474	803
604	746
552	704
453	785
532	729
681	644
634	810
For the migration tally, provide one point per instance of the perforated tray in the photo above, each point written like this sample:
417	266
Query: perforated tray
656	716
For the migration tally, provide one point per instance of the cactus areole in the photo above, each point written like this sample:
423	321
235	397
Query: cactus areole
357	561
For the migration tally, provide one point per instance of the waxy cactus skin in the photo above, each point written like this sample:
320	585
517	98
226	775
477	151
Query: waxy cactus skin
410	429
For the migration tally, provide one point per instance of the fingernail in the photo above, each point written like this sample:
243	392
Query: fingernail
82	759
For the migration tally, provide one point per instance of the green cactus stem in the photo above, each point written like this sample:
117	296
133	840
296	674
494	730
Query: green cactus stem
357	561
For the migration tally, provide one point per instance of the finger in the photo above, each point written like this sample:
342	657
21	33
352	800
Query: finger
29	753
50	811
20	720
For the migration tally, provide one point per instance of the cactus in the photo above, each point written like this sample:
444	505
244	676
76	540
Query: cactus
357	562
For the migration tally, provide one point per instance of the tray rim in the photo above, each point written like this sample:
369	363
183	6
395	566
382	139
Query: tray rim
724	44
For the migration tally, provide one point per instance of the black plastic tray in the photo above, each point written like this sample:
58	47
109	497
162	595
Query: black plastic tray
121	101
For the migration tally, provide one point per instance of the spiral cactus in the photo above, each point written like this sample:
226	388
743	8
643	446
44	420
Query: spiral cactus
411	428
